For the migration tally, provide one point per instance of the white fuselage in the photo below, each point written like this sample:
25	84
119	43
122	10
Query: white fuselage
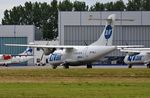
79	55
141	58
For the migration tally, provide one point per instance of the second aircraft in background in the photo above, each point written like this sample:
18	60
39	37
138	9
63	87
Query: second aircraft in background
137	56
6	59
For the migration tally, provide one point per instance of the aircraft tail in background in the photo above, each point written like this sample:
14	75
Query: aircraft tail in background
28	51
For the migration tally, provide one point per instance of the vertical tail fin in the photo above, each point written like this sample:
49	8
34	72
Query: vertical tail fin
107	35
28	51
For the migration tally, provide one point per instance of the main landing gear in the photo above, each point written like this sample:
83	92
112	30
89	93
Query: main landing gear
148	65
66	66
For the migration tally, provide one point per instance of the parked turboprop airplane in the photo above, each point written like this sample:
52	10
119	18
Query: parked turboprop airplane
6	59
80	55
137	56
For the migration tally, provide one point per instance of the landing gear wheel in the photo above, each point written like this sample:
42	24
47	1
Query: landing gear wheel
6	65
148	65
89	66
54	67
129	66
66	66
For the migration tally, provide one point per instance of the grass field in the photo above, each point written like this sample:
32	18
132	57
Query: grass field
74	83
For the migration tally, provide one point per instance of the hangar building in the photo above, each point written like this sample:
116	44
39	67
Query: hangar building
17	34
75	28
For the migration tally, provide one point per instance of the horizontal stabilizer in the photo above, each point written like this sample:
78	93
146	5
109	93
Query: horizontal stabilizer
137	50
130	46
111	19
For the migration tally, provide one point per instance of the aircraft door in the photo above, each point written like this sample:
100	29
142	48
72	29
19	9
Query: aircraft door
86	53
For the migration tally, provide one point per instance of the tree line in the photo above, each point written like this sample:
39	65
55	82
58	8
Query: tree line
45	16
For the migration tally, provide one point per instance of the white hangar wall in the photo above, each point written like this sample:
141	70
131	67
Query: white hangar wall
18	34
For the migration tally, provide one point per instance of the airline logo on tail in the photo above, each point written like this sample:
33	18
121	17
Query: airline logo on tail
108	32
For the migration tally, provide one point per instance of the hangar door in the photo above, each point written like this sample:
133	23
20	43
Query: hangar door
123	35
12	40
13	50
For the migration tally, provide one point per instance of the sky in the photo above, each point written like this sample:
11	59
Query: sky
9	4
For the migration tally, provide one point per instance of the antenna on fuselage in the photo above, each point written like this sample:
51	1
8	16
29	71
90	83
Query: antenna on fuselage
85	43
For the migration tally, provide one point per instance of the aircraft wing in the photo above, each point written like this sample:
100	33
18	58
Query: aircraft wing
41	46
20	55
136	50
46	48
62	46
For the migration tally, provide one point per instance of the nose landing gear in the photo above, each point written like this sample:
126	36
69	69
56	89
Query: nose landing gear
130	66
89	66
